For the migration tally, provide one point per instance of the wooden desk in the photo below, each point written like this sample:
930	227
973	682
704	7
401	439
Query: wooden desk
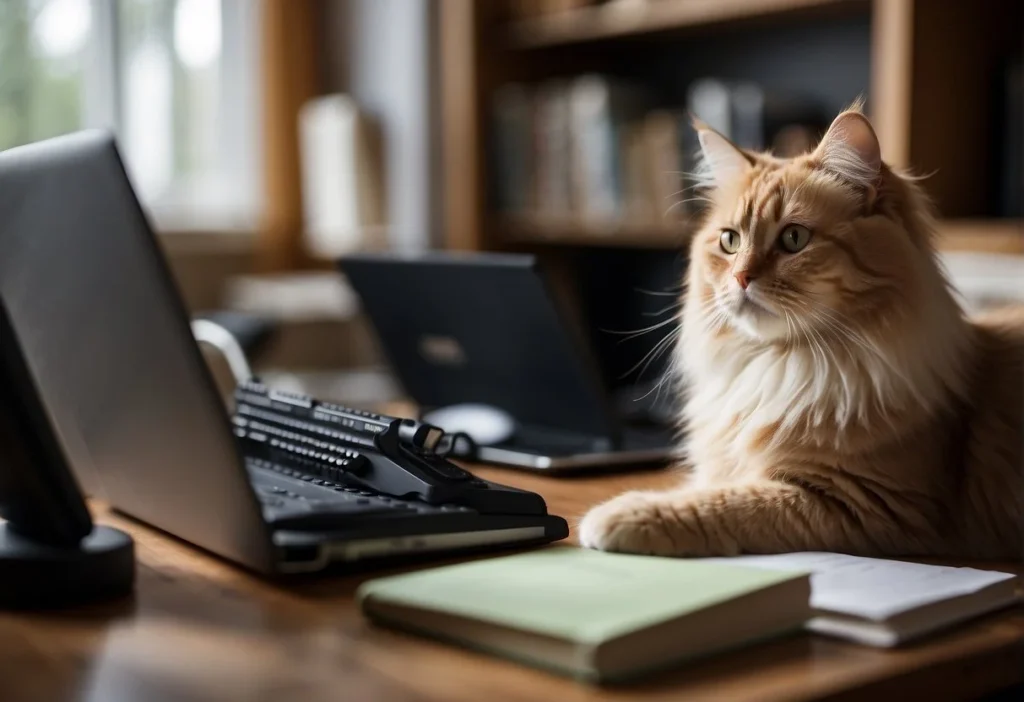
201	629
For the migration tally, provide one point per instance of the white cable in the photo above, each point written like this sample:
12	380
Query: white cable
217	336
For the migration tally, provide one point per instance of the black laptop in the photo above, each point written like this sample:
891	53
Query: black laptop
487	329
287	484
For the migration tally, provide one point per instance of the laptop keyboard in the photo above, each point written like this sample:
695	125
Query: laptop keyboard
296	498
325	459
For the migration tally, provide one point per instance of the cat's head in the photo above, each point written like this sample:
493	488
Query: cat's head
790	248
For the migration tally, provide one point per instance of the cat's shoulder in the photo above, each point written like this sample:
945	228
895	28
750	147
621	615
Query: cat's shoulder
999	375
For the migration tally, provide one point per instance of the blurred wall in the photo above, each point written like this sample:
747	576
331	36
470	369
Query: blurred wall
203	262
383	53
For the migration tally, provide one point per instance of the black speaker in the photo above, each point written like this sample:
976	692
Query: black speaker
51	554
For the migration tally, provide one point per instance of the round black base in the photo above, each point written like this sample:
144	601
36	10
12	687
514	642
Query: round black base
36	576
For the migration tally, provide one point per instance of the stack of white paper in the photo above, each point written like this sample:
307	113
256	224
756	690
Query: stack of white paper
884	603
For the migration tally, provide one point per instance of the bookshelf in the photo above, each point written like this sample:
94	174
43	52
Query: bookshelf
926	67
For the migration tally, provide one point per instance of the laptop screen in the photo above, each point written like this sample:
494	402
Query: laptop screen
481	328
106	338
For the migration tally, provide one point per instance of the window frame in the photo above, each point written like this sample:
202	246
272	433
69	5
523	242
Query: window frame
188	205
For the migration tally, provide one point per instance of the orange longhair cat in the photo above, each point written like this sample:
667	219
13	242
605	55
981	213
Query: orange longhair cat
837	398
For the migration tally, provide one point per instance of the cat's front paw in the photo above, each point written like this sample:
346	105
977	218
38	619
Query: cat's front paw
635	522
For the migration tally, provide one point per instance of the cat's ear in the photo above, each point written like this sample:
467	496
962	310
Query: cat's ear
850	149
722	160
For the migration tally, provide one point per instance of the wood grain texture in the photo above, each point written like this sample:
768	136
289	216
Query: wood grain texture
608	22
461	145
891	76
290	57
202	630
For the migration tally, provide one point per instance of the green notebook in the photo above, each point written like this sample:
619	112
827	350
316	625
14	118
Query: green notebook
592	615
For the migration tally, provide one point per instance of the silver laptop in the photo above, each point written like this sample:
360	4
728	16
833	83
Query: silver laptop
107	340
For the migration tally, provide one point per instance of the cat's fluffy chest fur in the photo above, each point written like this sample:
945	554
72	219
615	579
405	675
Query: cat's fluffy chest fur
750	406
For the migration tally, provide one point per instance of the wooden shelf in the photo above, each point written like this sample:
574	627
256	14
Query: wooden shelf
528	230
603	22
1003	236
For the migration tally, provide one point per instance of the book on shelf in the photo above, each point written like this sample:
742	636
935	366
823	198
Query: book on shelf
343	180
755	118
513	148
710	101
601	112
553	150
637	190
587	153
665	163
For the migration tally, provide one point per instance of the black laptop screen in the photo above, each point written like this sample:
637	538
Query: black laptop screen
481	328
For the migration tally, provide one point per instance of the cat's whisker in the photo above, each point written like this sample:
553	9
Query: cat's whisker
665	346
822	317
656	388
635	334
872	351
672	292
686	189
821	311
663	310
839	337
665	375
674	206
648	357
714	317
710	306
843	332
842	376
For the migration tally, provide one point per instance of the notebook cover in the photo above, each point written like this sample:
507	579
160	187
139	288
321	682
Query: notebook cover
582	596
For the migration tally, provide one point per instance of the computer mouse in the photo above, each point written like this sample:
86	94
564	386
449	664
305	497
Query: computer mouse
484	424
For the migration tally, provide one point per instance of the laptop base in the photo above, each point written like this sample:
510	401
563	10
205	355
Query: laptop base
573	463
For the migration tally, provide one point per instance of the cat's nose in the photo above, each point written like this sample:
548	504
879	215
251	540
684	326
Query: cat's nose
744	278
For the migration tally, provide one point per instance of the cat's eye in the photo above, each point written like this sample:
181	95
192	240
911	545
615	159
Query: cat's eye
730	241
794	238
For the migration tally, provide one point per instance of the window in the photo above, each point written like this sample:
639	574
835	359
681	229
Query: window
175	79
